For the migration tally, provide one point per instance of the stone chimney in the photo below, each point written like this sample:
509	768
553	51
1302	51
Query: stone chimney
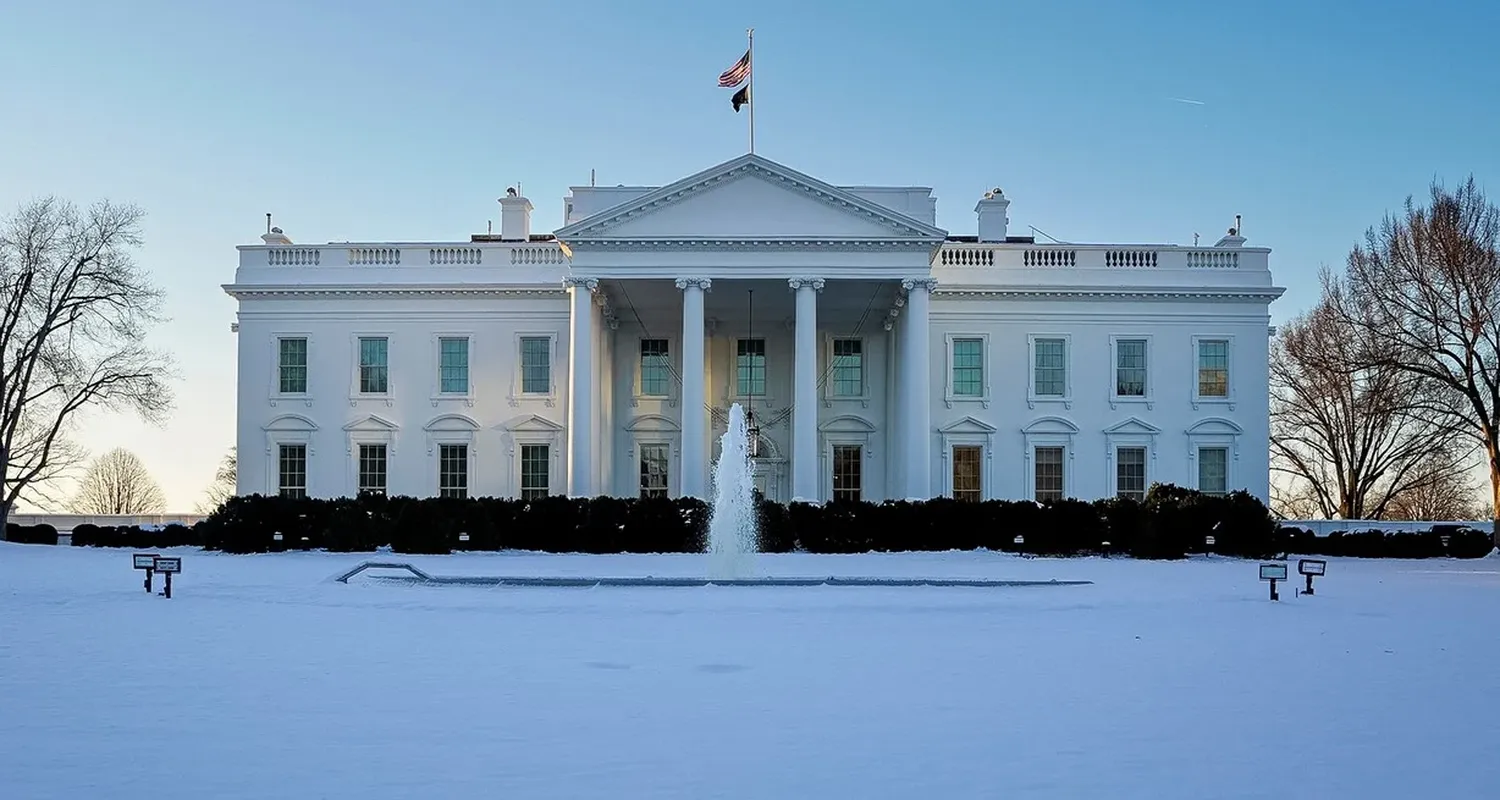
275	236
992	220
515	217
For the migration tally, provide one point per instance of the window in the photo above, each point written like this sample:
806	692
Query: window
1130	472
372	468
1130	368
1213	368
374	372
453	365
653	470
1049	473
848	368
1213	470
1050	376
846	472
656	368
292	470
536	365
966	480
751	368
968	367
453	470
535	471
292	366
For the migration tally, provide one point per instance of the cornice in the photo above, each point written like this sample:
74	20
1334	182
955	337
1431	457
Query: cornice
1255	295
846	202
253	291
746	245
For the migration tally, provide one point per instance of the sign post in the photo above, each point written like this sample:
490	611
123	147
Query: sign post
1273	573
147	562
1311	567
168	567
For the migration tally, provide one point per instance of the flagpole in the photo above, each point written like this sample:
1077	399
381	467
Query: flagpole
751	86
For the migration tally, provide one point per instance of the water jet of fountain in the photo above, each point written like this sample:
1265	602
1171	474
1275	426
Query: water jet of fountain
731	526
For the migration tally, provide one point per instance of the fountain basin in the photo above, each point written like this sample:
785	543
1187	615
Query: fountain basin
417	576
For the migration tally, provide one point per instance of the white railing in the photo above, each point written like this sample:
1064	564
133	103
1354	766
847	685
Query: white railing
416	254
961	255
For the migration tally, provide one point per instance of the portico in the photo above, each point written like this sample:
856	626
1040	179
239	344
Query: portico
758	258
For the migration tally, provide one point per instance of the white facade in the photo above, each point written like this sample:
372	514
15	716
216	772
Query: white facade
898	361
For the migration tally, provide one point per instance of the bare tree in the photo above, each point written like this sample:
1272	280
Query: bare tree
1353	436
74	312
118	483
1295	499
1424	290
1454	498
222	488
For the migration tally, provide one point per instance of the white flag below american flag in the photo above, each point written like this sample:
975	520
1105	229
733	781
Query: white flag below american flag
736	75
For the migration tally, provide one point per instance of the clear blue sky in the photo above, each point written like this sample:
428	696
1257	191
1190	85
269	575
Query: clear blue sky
400	120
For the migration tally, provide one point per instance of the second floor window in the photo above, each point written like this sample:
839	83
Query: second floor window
536	365
292	375
1130	368
751	367
1051	376
374	371
848	368
453	367
656	374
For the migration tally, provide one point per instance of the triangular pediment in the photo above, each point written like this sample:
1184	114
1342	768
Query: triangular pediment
371	423
967	425
1133	426
749	198
531	422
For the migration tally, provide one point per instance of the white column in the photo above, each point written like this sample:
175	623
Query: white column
895	404
694	480
581	387
805	392
916	377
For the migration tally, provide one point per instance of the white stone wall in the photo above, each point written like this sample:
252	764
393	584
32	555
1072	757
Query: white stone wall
332	404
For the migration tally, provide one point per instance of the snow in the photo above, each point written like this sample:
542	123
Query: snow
262	677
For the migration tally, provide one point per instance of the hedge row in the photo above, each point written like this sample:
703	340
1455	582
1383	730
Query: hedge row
1171	522
30	534
133	536
1457	542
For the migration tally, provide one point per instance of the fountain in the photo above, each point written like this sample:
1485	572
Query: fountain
731	526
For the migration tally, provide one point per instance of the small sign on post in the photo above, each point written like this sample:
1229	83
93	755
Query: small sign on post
1273	573
168	567
1311	567
147	562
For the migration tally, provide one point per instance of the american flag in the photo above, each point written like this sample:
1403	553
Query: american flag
736	75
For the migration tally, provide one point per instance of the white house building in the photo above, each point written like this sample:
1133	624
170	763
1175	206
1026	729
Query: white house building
880	357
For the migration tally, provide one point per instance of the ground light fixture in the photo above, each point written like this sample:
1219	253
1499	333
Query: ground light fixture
1273	573
1310	567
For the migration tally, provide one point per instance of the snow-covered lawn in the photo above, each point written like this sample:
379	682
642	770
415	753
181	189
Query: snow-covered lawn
263	679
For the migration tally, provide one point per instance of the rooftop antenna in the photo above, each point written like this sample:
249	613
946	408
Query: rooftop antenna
1238	226
1035	229
268	222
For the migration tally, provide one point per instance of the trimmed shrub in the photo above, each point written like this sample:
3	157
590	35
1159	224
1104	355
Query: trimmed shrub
30	534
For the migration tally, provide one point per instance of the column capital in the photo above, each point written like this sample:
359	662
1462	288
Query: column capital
592	284
925	283
816	284
702	283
